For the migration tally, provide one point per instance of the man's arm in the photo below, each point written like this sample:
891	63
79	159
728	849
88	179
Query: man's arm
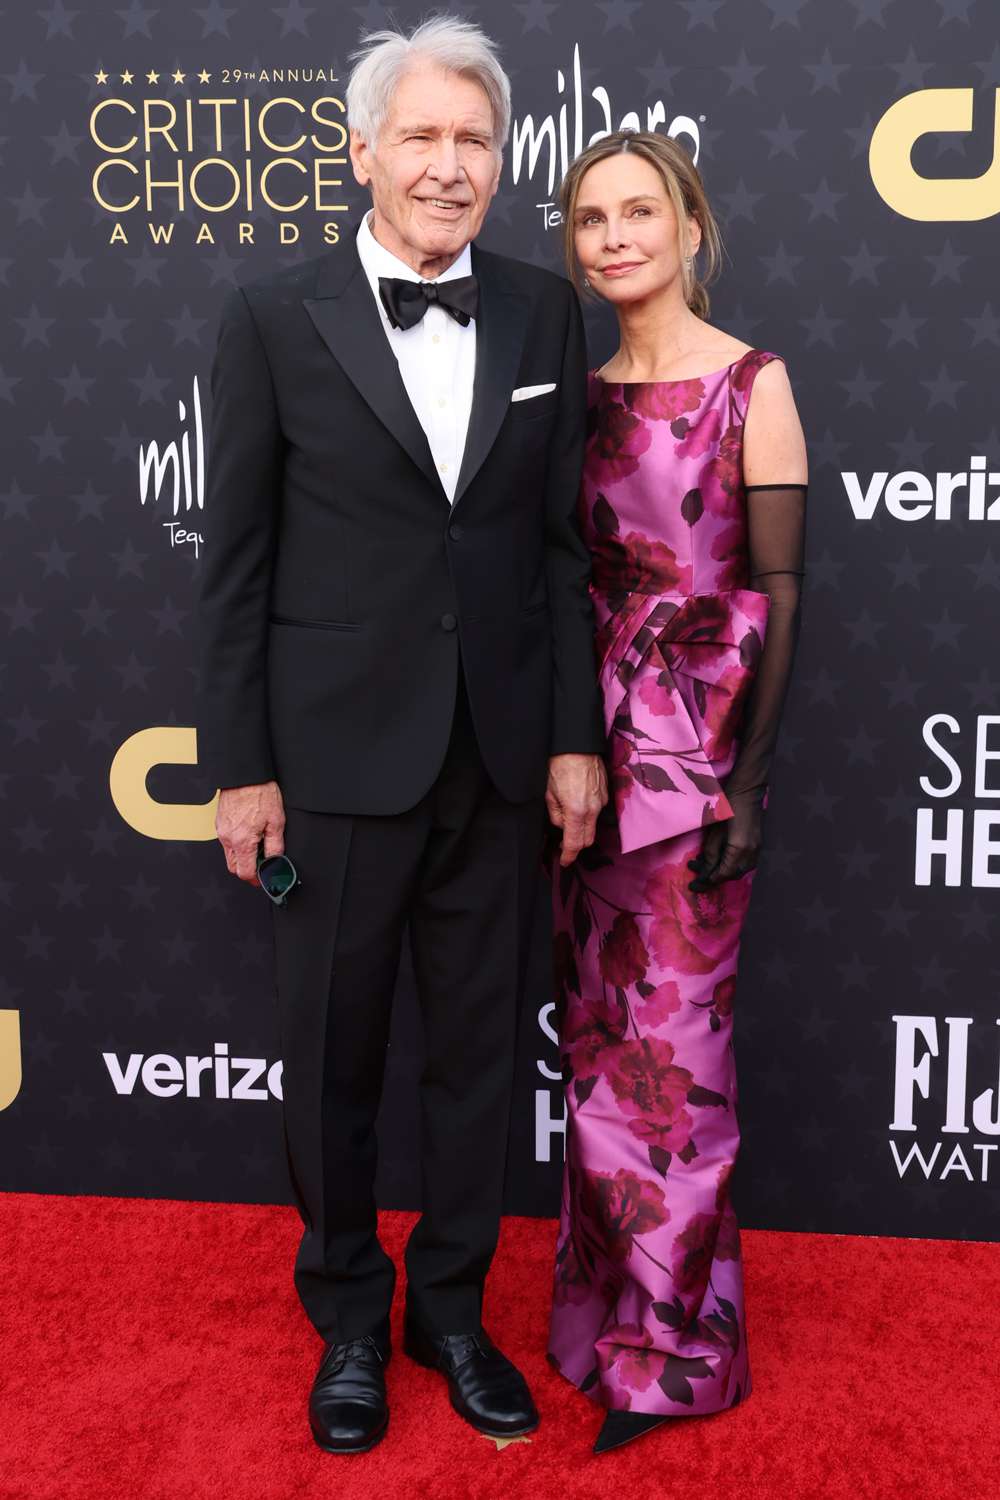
577	788
577	718
244	482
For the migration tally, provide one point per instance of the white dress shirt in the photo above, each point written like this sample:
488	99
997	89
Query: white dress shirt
437	358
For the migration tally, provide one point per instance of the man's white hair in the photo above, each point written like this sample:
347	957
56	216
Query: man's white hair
451	43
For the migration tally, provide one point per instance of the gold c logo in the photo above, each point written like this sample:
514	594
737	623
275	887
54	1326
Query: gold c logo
10	1057
164	745
929	112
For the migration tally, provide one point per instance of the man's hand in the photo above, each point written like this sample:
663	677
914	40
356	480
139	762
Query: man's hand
245	815
577	790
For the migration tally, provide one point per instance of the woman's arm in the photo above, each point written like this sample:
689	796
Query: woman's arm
775	475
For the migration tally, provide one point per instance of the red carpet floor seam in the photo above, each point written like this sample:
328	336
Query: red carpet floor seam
156	1350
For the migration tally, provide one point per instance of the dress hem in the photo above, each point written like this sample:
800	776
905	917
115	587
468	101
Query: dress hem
595	1393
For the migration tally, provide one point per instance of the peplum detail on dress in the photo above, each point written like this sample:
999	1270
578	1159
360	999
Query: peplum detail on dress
675	679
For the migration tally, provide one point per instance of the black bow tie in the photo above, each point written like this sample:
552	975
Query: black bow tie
406	302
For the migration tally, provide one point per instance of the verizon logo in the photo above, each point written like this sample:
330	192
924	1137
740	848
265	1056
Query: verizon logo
911	496
218	1076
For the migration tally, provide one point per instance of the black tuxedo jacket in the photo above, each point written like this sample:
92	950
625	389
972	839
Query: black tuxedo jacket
341	591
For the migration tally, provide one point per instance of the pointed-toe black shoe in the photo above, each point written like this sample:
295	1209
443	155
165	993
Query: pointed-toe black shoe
622	1426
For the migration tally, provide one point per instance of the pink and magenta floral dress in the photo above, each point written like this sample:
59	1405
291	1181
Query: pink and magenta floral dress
648	1301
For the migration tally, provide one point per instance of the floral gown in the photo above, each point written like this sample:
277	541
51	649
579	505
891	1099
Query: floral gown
648	1297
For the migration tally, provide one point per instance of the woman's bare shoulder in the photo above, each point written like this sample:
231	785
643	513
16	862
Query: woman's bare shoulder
724	346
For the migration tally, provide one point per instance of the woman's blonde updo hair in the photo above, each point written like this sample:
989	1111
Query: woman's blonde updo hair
685	190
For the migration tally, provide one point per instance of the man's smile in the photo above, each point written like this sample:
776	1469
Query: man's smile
445	203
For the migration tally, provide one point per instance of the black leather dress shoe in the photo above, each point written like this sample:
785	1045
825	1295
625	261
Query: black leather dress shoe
485	1388
348	1411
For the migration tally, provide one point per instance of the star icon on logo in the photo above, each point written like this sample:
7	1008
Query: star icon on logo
178	76
126	77
152	76
101	76
203	77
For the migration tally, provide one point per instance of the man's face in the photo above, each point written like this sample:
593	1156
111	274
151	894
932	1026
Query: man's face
433	169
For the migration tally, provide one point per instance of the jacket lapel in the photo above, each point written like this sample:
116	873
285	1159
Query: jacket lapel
346	318
501	328
347	321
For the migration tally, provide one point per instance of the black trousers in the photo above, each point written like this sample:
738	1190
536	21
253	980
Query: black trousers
458	870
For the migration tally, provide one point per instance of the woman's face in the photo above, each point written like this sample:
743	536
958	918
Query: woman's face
625	230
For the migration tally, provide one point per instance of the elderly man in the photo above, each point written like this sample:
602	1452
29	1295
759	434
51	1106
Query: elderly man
397	651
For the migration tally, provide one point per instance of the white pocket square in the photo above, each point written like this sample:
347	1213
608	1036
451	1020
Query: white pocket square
525	392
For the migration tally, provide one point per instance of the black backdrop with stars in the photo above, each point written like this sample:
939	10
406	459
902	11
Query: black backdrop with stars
124	945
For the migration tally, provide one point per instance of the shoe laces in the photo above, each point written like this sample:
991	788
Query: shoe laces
469	1346
350	1349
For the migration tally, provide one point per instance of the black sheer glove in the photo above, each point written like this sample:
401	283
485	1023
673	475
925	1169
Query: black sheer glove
776	540
730	848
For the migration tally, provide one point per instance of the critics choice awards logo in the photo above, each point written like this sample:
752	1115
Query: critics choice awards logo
933	199
230	148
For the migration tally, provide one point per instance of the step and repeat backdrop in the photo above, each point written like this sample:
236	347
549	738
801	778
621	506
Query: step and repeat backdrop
155	155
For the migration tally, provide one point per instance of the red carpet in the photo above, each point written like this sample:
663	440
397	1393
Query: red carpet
155	1349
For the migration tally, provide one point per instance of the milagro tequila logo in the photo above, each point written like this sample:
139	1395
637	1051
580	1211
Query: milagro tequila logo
545	150
172	472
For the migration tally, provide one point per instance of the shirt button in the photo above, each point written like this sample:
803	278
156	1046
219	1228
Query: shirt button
448	622
435	338
455	532
443	468
442	401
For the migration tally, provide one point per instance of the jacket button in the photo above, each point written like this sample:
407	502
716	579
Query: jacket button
455	532
448	622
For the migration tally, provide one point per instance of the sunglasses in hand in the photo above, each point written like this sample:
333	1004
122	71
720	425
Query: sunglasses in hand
277	876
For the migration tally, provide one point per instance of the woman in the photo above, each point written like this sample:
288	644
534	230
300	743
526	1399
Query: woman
692	501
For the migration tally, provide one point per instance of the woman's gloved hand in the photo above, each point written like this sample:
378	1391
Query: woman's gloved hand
731	848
